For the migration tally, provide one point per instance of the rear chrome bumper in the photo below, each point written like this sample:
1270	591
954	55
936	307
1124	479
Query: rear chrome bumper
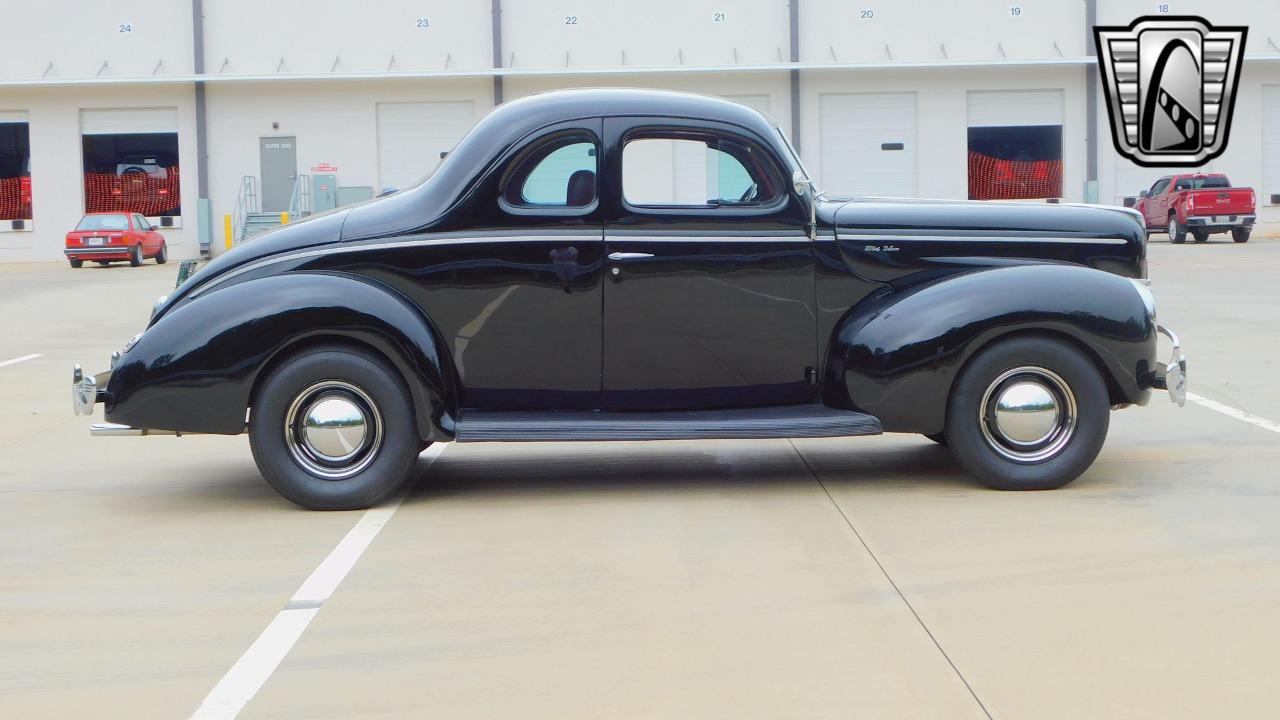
1211	221
1172	376
98	250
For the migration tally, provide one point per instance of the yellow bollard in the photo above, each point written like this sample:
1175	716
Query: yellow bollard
226	229
284	218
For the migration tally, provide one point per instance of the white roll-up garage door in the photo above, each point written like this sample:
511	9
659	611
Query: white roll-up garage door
868	144
128	121
411	136
1015	108
1270	144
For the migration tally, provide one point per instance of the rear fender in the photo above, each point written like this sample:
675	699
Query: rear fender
195	369
896	354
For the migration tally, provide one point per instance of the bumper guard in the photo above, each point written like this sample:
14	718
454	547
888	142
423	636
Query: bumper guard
1172	377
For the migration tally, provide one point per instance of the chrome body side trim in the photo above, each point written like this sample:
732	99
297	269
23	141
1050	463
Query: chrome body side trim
949	237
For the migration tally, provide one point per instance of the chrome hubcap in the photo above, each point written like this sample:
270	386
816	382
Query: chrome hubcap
1028	414
333	429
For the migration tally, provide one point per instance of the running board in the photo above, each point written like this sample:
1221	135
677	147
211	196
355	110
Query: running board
794	421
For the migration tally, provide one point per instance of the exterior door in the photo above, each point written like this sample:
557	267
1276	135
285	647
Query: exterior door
709	277
278	158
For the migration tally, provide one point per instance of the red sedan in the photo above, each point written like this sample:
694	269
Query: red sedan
103	237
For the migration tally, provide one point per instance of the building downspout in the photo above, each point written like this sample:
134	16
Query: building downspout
1091	104
497	51
794	79
204	229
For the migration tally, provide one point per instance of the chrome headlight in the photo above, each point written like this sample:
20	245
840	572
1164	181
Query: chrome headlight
1143	286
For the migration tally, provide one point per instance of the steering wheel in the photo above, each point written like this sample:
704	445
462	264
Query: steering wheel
749	193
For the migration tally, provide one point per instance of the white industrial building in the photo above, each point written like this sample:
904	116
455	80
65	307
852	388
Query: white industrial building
167	106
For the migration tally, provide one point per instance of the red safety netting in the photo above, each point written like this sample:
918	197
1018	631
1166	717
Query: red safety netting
15	198
151	193
995	179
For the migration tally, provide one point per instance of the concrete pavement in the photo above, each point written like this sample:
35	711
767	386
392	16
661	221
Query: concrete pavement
862	577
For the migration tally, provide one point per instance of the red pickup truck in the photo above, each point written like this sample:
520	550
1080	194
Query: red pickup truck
1200	204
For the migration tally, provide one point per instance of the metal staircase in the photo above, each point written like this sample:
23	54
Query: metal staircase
258	223
247	219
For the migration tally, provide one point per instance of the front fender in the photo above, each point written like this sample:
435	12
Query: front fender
896	354
195	368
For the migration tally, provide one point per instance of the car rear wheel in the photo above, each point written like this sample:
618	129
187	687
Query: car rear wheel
1200	236
333	429
1240	234
162	257
135	257
1177	233
1030	413
76	262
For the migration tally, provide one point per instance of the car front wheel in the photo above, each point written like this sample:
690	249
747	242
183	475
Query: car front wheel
1029	413
162	257
333	429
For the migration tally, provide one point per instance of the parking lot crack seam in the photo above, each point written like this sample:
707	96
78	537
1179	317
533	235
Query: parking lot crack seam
862	541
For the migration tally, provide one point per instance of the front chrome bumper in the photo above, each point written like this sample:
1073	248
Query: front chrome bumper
1172	377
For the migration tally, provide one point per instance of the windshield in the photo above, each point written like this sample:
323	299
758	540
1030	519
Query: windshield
104	222
1202	183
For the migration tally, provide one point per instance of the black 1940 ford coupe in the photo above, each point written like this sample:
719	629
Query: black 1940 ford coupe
644	265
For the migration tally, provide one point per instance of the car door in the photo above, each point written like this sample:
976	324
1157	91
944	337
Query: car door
142	229
1160	208
709	284
510	277
1148	205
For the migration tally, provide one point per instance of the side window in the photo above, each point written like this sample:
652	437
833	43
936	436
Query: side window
140	223
676	170
1159	186
559	173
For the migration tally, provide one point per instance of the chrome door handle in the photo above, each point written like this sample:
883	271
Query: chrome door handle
629	256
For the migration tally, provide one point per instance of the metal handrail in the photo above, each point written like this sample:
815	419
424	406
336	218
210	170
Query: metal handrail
246	204
300	198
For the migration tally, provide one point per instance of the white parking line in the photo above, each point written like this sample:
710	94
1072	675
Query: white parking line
252	670
1261	422
24	358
